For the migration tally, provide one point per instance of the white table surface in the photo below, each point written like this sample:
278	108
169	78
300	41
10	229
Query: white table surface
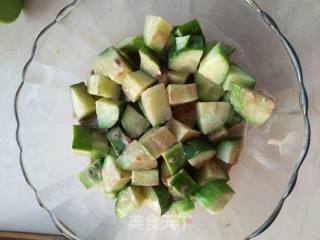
19	210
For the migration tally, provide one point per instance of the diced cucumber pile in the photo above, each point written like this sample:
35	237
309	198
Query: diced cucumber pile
164	102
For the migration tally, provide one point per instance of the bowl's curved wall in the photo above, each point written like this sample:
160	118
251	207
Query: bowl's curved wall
64	55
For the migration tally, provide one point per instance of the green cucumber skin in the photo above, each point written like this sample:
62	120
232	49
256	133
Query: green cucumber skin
226	97
91	176
209	46
198	151
175	158
82	140
83	103
210	194
194	147
133	123
229	150
233	119
195	44
190	28
131	45
225	48
208	91
100	147
181	207
183	183
238	75
118	140
145	177
160	194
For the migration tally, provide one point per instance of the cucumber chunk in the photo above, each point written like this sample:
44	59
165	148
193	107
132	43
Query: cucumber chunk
175	158
209	172
100	146
165	176
108	112
128	200
208	46
119	141
111	195
237	75
183	183
182	93
218	135
181	131
132	59
135	83
187	58
215	65
190	28
198	151
156	105
103	86
82	140
233	118
91	176
177	77
157	140
185	113
208	91
133	123
131	45
135	158
145	177
156	32
214	196
182	42
226	97
212	115
229	150
112	64
227	49
159	198
165	173
82	102
148	62
179	210
254	107
114	178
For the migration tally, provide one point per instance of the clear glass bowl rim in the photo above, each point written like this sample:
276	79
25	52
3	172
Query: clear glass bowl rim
303	98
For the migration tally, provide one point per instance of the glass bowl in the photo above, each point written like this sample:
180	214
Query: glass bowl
63	54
